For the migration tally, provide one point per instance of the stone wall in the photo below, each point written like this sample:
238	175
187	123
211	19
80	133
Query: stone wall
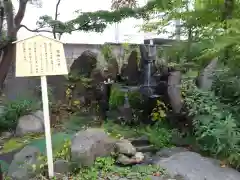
19	86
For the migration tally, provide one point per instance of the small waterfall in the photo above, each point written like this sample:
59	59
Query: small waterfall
148	74
148	60
126	101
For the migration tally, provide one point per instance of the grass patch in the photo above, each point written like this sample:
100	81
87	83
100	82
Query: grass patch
77	122
159	134
116	130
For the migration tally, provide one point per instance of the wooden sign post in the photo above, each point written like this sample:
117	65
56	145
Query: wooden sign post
41	56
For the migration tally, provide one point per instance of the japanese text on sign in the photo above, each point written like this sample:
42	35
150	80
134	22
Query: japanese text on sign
40	57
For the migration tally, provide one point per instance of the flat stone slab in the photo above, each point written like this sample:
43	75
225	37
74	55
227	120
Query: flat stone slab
193	166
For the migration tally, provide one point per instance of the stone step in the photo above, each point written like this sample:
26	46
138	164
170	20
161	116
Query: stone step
142	141
147	148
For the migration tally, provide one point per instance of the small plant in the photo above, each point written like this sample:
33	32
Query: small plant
75	80
135	99
50	89
64	152
14	110
159	112
105	168
117	98
107	52
159	135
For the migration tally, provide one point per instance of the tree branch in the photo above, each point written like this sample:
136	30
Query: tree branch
35	30
21	12
56	18
38	30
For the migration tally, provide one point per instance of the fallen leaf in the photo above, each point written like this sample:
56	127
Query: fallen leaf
223	165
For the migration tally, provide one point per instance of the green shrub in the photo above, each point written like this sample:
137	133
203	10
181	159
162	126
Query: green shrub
227	87
117	98
14	110
214	125
159	135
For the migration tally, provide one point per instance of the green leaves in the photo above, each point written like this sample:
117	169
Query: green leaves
215	126
14	110
97	21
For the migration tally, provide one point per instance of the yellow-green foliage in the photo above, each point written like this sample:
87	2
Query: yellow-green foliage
18	142
73	80
62	153
12	144
159	112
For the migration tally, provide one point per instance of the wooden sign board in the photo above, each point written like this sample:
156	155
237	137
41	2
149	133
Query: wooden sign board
40	56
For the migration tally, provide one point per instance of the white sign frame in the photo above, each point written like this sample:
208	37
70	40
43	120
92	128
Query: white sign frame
40	56
25	55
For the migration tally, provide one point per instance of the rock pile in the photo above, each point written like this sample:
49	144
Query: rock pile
127	154
87	145
92	143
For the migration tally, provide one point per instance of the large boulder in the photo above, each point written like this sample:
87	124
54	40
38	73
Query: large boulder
32	123
205	78
89	144
193	166
174	91
25	164
84	64
61	166
111	70
132	72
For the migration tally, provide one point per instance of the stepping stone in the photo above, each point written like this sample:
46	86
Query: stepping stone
193	166
147	148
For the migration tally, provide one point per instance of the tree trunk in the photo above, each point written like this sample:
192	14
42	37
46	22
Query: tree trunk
1	21
7	59
56	18
13	25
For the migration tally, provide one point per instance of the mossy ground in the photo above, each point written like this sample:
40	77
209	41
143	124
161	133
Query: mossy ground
18	142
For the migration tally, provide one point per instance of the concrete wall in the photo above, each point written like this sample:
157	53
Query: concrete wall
16	86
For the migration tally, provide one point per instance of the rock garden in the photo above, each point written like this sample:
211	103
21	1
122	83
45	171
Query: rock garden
125	121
